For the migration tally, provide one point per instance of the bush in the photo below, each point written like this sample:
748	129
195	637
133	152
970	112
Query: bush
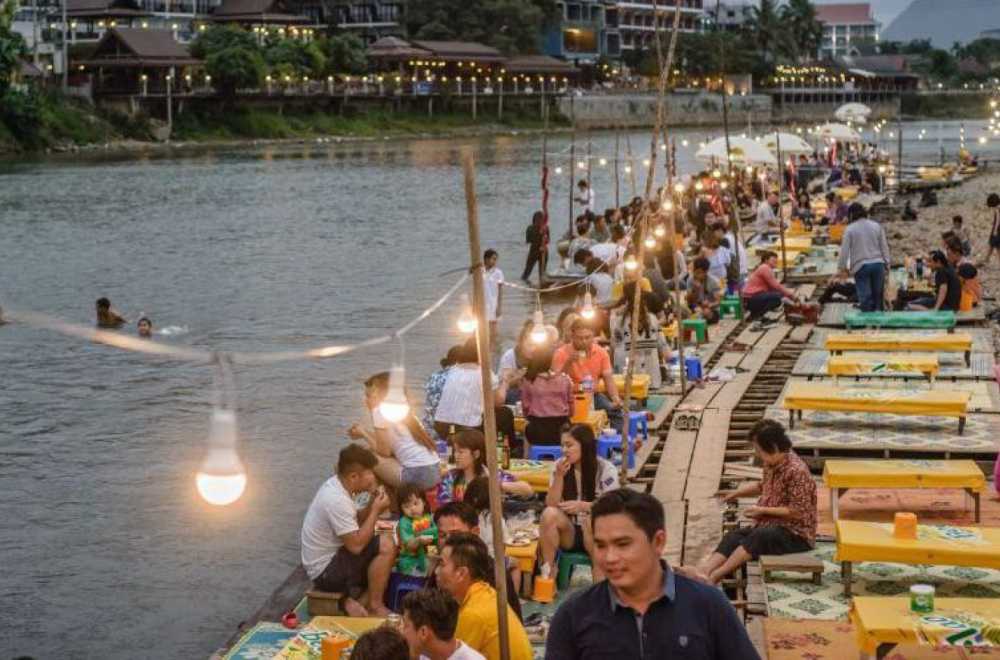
21	113
234	68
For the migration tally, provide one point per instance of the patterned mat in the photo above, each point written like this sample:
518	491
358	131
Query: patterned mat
262	642
822	429
793	596
795	639
985	395
812	363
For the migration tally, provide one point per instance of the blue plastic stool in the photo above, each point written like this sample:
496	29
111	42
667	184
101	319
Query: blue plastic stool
400	585
442	446
567	560
636	421
607	443
541	452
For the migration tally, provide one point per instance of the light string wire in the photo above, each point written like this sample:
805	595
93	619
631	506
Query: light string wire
187	354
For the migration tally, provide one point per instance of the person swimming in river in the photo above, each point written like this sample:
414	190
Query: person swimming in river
108	316
145	327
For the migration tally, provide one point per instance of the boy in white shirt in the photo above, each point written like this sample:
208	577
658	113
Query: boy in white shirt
430	617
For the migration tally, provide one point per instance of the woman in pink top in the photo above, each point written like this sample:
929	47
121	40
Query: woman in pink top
763	292
547	400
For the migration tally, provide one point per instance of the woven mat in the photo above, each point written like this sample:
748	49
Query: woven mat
262	642
793	596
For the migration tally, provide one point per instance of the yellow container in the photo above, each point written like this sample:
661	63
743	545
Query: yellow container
544	590
965	305
333	646
837	232
581	408
904	525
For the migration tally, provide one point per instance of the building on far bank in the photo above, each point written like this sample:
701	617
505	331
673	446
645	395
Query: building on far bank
730	16
636	22
370	20
845	27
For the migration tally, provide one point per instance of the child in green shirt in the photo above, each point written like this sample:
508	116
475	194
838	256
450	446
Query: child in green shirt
416	530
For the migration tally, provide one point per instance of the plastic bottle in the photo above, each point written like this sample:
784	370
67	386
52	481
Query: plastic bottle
587	387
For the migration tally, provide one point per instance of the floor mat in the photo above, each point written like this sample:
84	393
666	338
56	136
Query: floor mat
262	642
794	639
793	596
985	394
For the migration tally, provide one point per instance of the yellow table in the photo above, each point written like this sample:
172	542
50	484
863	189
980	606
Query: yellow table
307	643
640	385
935	544
875	364
938	342
812	396
846	193
798	243
880	623
535	473
524	555
840	476
597	421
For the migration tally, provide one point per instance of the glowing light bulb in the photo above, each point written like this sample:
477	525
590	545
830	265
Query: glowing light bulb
467	321
699	186
558	170
221	480
881	169
582	165
628	168
645	161
394	406
684	143
659	231
650	242
631	263
603	162
716	174
667	205
679	188
539	334
723	185
587	311
982	140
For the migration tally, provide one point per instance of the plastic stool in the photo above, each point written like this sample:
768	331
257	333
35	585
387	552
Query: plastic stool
400	585
636	421
606	443
567	560
698	326
541	452
442	447
730	308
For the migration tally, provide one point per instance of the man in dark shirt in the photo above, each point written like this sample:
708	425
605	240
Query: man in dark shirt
643	610
947	286
537	238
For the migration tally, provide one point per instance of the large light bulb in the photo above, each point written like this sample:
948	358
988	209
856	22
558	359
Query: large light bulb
659	231
221	480
539	334
558	170
587	311
650	242
723	185
631	263
582	165
679	188
628	168
716	174
667	205
394	406
467	321
699	186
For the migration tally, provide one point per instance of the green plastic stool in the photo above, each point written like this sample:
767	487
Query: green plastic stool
567	560
699	326
730	308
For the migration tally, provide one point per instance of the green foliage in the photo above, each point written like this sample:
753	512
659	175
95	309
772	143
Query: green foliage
218	38
512	26
765	30
235	67
986	51
11	45
20	113
805	30
345	53
295	58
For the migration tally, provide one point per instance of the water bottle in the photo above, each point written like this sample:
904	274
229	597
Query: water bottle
587	386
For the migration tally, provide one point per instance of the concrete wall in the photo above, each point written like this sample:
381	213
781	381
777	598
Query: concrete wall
639	110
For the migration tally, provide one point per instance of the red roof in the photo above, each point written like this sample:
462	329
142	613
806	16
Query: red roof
854	13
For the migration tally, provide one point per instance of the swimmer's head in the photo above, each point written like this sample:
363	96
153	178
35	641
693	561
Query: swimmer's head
145	327
103	304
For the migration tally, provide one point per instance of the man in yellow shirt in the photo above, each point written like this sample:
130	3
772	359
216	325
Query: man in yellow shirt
464	572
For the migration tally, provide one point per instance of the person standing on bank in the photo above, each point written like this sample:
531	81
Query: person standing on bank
993	206
340	550
537	238
644	609
864	254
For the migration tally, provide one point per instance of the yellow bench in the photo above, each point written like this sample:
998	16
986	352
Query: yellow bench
534	473
881	623
875	364
640	385
810	396
937	545
841	475
937	342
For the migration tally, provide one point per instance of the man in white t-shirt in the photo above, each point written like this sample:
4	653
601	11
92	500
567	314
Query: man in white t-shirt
430	617
340	550
585	198
493	291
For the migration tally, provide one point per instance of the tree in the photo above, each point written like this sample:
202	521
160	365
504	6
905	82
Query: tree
234	68
220	37
806	31
345	53
294	57
12	47
512	26
766	31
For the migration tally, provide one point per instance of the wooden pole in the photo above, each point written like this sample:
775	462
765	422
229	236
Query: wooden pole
570	170
643	227
734	212
617	192
489	415
631	165
781	215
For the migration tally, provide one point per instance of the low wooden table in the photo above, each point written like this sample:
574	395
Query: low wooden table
525	556
881	623
535	473
875	364
841	475
937	342
939	545
598	420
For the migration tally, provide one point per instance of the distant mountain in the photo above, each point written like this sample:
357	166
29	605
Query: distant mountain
944	21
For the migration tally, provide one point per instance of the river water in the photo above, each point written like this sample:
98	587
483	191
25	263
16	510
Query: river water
107	551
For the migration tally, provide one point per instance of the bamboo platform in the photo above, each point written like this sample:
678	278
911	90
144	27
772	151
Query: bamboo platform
833	315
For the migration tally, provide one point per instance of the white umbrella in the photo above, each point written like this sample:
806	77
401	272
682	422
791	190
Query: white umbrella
856	112
744	151
841	132
790	144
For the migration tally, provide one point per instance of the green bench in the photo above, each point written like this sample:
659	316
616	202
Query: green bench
935	320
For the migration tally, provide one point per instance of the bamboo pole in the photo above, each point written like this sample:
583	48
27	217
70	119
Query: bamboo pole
570	171
781	215
617	201
631	165
734	212
489	415
643	226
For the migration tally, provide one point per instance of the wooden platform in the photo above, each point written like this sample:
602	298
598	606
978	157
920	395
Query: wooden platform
812	364
985	394
833	315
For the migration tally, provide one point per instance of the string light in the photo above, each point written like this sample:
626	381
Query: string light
587	311
539	334
667	205
558	170
679	188
630	262
716	174
659	231
582	165
699	186
394	406
222	479
603	162
467	320
650	242
628	168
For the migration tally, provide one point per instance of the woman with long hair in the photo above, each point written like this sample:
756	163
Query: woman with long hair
578	478
406	452
469	447
547	399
